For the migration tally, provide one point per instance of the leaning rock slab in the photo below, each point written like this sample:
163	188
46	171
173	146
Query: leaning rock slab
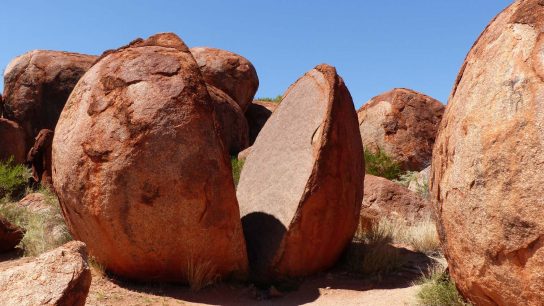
39	157
487	176
402	123
12	141
230	72
37	85
139	167
301	187
60	277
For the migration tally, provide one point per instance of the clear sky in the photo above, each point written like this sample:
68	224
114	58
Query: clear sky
375	45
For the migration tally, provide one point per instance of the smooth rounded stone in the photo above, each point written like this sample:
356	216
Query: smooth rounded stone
402	123
140	171
37	85
230	72
257	114
59	277
10	235
487	177
12	141
384	199
301	187
232	123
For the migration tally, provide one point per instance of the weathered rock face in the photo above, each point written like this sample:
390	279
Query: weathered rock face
386	199
487	164
257	114
244	154
230	72
232	123
39	157
10	235
60	277
12	141
420	184
37	85
403	123
301	187
139	167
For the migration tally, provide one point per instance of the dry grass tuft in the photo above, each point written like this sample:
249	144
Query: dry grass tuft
438	289
201	274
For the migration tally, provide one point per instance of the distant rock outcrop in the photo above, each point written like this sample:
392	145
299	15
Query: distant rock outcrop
60	277
301	187
386	199
139	167
402	123
487	177
39	157
37	85
230	72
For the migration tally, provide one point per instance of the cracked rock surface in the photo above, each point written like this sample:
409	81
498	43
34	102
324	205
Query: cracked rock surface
139	167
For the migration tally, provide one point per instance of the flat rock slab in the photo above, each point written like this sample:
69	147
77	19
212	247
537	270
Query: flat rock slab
301	187
140	171
59	277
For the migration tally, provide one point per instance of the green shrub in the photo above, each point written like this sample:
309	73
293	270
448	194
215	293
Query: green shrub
438	289
45	228
380	164
277	99
237	166
13	178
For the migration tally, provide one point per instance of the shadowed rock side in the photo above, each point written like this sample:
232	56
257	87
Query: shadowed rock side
10	235
230	72
386	199
305	176
60	277
403	123
39	157
12	141
232	123
257	114
139	167
37	85
487	178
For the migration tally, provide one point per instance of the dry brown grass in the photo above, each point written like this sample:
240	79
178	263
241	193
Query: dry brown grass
201	274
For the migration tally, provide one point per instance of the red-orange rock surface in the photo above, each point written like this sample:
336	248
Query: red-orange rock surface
232	123
487	164
403	123
10	235
139	168
257	114
39	157
37	85
60	277
12	141
301	187
230	72
386	199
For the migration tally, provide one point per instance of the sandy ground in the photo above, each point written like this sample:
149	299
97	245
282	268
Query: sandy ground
337	287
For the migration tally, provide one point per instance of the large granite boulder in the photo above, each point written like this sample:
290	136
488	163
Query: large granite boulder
301	187
37	85
230	72
139	167
10	235
402	123
60	277
487	177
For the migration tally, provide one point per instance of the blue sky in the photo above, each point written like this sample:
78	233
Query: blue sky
375	45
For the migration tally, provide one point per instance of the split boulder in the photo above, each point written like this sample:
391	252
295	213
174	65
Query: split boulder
301	187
